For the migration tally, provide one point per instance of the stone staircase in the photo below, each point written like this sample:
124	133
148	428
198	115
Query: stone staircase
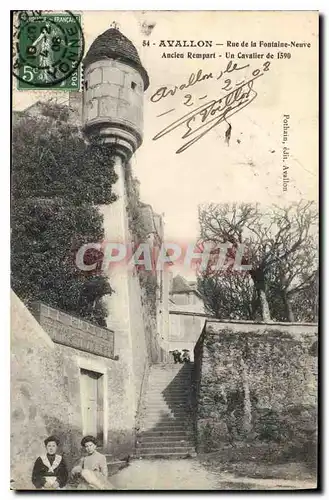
166	425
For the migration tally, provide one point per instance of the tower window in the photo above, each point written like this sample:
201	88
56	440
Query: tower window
133	85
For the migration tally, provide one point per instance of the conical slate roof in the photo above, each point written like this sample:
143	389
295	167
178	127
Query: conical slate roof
112	44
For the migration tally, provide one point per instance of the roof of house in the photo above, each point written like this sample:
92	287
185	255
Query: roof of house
181	285
112	44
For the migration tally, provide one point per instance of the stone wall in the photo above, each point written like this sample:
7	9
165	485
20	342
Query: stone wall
256	382
46	397
74	332
141	358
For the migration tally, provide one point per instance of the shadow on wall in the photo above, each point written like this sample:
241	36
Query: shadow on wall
32	444
29	445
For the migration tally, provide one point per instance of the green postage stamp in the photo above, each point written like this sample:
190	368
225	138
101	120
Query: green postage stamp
48	48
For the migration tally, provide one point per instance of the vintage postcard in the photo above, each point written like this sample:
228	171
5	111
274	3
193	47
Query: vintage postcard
164	250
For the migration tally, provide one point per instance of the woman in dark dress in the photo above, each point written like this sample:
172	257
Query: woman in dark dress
50	471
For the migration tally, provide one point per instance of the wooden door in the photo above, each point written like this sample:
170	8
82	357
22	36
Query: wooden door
92	404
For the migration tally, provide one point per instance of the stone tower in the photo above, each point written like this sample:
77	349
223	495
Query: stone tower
114	84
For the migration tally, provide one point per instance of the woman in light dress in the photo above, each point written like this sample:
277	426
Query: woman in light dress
92	468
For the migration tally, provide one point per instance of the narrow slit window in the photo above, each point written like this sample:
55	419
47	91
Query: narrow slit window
133	85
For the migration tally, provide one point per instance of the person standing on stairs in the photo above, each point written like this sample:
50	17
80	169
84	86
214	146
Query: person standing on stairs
186	356
177	356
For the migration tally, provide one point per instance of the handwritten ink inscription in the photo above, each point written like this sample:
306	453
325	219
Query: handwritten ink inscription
200	120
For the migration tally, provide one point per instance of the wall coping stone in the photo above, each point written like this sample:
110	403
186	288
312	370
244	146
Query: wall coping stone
250	322
72	331
239	321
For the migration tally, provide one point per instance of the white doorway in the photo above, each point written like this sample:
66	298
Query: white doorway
92	404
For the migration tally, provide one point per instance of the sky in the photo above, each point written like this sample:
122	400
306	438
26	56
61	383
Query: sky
249	167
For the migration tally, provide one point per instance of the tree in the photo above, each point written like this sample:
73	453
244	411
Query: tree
228	295
57	179
281	248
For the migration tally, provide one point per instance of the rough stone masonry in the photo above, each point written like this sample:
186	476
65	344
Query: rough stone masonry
256	382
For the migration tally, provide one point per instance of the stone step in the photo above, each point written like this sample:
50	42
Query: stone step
164	393
169	433
171	367
144	445
156	417
168	456
171	378
164	407
165	448
161	427
161	401
159	424
166	428
166	402
164	439
159	398
182	452
157	410
168	395
160	389
169	384
175	369
170	381
165	417
171	373
172	394
166	411
165	423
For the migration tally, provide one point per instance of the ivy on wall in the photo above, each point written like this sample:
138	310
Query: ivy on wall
57	181
139	232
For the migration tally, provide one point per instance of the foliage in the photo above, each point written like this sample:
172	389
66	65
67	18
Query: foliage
134	212
57	179
281	247
230	295
51	158
147	279
55	111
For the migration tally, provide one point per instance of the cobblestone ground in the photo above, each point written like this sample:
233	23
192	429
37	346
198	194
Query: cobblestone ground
190	474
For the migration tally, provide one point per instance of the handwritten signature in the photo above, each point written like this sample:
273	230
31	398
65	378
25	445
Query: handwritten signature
204	118
194	78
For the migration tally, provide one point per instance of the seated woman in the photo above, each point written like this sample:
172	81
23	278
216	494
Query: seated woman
93	467
50	471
